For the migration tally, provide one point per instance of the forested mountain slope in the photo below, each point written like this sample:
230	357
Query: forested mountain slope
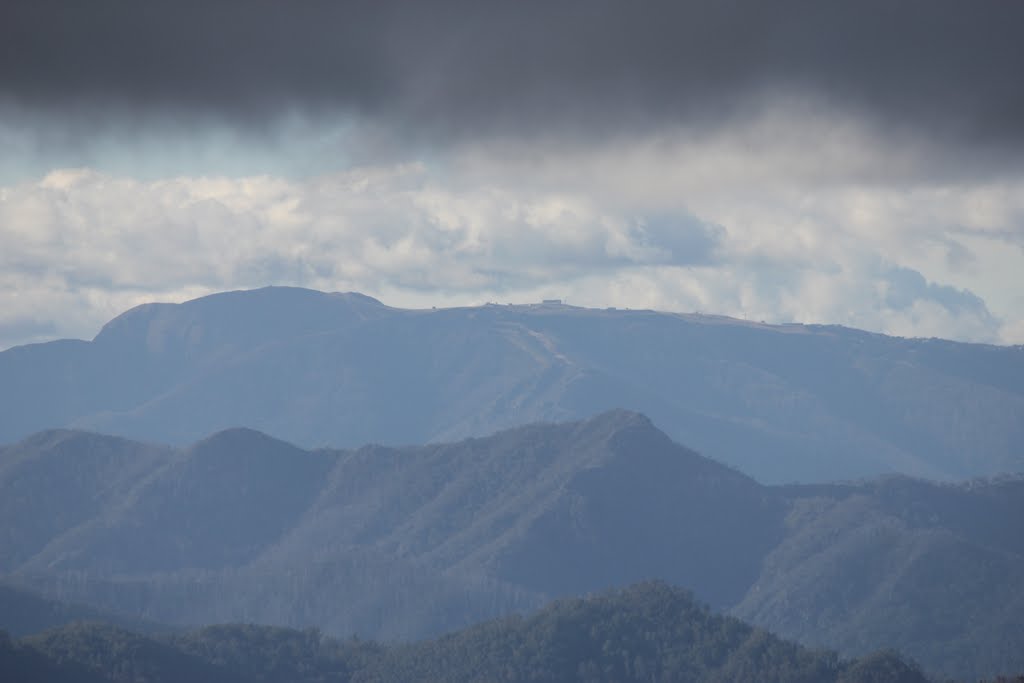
782	403
649	632
414	541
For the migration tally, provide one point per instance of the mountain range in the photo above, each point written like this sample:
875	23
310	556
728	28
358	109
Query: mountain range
782	403
407	542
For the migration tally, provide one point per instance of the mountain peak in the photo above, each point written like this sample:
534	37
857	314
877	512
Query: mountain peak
237	319
620	418
621	426
360	298
241	439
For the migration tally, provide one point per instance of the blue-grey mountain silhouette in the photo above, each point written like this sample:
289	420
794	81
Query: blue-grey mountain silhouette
782	403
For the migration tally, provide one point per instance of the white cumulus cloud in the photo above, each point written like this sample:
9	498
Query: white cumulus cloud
766	225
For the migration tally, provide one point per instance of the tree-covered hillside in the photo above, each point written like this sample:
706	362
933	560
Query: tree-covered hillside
649	632
406	543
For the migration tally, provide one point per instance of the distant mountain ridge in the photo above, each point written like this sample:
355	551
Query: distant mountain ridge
406	542
782	403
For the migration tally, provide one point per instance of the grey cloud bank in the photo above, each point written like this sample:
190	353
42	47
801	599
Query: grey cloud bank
446	70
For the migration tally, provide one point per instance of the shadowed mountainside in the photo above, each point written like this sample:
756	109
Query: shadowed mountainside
782	403
406	542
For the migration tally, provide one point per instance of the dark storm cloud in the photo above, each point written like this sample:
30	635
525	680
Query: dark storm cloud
443	70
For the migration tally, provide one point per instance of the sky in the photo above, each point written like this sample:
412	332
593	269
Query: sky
853	163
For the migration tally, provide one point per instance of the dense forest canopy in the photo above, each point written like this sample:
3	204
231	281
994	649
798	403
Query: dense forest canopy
648	632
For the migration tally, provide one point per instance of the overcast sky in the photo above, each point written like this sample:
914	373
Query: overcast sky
859	163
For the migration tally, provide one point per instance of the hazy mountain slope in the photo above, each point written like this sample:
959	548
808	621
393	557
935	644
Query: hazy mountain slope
782	403
935	571
151	349
215	506
551	508
24	612
406	542
365	593
55	481
398	380
644	511
225	529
